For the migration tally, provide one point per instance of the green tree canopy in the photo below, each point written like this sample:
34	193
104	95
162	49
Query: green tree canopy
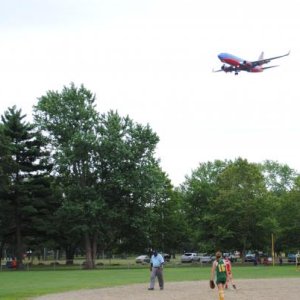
237	214
26	165
198	192
106	172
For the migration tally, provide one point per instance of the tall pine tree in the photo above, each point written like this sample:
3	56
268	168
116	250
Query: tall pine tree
27	171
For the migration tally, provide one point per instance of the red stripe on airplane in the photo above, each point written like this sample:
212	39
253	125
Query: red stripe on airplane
231	61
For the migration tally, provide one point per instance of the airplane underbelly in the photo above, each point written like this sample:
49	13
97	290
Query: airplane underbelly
256	69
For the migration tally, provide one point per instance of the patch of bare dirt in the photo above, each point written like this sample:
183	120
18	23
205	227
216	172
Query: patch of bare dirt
258	289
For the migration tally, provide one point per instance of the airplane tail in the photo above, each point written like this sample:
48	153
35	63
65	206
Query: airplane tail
261	57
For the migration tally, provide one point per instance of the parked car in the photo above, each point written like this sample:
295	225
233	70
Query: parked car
142	259
237	254
250	258
267	260
291	258
230	256
166	256
206	258
190	257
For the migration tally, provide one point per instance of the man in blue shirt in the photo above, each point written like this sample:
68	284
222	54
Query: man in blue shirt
156	268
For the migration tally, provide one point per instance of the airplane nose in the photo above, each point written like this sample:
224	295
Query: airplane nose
221	56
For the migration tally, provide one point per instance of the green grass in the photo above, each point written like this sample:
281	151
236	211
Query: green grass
25	284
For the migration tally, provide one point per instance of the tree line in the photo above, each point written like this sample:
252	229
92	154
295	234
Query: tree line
74	179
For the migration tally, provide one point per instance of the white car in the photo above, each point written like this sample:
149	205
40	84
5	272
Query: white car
142	259
190	257
206	258
230	256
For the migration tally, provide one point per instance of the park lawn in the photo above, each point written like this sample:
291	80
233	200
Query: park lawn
26	284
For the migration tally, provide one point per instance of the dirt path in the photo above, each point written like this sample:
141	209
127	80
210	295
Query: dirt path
259	289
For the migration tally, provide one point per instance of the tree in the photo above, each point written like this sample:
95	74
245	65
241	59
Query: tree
289	220
279	178
130	180
105	170
167	223
239	214
5	163
27	166
69	119
281	185
198	191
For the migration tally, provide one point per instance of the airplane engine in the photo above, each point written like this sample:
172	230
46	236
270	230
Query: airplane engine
256	69
226	69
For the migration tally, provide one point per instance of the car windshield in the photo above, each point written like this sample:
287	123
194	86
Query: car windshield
187	254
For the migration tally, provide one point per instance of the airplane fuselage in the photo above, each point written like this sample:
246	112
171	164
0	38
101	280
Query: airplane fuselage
230	59
238	63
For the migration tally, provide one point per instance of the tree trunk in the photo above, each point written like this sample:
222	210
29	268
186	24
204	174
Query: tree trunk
243	252
19	246
70	251
90	250
89	260
94	249
19	250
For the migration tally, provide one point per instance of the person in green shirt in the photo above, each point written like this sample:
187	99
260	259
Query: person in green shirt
219	271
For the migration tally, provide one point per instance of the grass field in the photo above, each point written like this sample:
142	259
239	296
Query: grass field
25	284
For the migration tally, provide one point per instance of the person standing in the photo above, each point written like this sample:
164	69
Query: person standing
219	271
280	259
14	263
156	268
229	273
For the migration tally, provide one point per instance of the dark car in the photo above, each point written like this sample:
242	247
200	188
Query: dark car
250	258
291	258
166	256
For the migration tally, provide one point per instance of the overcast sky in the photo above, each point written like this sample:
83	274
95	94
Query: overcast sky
153	60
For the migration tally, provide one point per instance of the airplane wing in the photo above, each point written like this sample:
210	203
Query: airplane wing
267	60
225	69
215	71
270	67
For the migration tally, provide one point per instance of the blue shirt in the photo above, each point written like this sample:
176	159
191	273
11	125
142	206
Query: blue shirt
157	261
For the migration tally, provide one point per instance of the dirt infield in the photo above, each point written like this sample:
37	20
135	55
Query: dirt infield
258	289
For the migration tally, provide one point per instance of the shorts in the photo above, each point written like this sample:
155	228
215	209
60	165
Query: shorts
221	281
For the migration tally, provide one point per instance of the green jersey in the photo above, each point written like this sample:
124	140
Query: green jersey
221	271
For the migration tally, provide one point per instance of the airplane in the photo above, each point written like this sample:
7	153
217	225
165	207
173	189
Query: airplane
235	64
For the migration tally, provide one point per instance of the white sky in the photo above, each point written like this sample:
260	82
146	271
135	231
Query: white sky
153	60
